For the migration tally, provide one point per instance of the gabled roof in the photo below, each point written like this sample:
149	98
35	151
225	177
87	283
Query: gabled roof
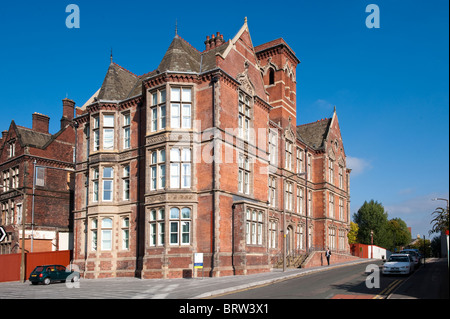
314	134
28	137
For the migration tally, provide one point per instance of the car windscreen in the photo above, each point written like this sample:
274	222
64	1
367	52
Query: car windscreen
403	259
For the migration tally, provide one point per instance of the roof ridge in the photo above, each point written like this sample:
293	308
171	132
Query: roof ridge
188	43
325	119
125	69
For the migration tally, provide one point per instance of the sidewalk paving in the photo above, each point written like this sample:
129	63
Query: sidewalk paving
134	288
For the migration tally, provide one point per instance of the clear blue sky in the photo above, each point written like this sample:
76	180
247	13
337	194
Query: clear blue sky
389	85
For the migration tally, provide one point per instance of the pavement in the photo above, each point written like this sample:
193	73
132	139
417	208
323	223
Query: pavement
134	288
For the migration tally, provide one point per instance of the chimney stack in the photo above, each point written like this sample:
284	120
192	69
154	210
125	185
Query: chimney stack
68	111
214	41
40	123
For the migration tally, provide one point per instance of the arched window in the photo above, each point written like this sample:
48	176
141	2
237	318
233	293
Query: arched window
271	76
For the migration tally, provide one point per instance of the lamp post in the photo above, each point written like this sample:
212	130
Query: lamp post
371	242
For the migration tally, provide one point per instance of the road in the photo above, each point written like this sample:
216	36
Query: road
350	283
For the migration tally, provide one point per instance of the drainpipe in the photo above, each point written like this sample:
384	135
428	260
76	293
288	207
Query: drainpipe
214	80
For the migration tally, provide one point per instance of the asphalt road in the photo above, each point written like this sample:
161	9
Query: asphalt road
350	283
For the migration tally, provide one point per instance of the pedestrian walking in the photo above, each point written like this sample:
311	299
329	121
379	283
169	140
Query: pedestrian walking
328	254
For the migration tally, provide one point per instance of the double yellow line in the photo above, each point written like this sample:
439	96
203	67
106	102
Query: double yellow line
385	292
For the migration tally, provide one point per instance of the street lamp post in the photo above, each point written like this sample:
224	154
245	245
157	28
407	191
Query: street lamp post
371	242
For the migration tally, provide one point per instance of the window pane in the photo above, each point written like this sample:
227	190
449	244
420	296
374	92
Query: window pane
186	155
186	116
163	96
162	156
107	223
186	175
153	215
162	176
174	213
175	116
106	239
175	94
186	95
174	233
175	175
107	172
185	231
152	234
108	139
186	213
153	178
163	117
107	190
126	171
175	155
108	120
126	119
161	234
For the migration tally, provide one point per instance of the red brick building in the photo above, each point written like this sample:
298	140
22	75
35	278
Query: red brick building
47	199
203	155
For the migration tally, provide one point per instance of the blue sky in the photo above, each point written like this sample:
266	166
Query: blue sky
389	85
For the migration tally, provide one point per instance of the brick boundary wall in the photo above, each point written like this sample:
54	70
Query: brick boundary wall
318	258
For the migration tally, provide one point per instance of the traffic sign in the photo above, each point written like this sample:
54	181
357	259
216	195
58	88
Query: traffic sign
2	234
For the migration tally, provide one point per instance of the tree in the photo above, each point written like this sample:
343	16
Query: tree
399	234
353	233
372	217
440	220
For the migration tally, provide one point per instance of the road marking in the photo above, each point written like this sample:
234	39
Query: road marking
385	292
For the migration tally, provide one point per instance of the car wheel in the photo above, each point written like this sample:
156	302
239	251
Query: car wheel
47	281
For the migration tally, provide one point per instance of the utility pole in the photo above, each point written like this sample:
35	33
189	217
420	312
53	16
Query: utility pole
371	242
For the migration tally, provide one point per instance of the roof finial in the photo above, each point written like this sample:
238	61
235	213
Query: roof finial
176	27
111	56
245	20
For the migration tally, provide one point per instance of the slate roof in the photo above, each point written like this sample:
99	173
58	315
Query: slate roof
314	134
120	84
28	137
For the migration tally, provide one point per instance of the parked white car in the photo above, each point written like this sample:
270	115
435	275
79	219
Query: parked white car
414	254
398	264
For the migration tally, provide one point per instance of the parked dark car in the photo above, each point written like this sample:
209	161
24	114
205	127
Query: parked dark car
50	273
